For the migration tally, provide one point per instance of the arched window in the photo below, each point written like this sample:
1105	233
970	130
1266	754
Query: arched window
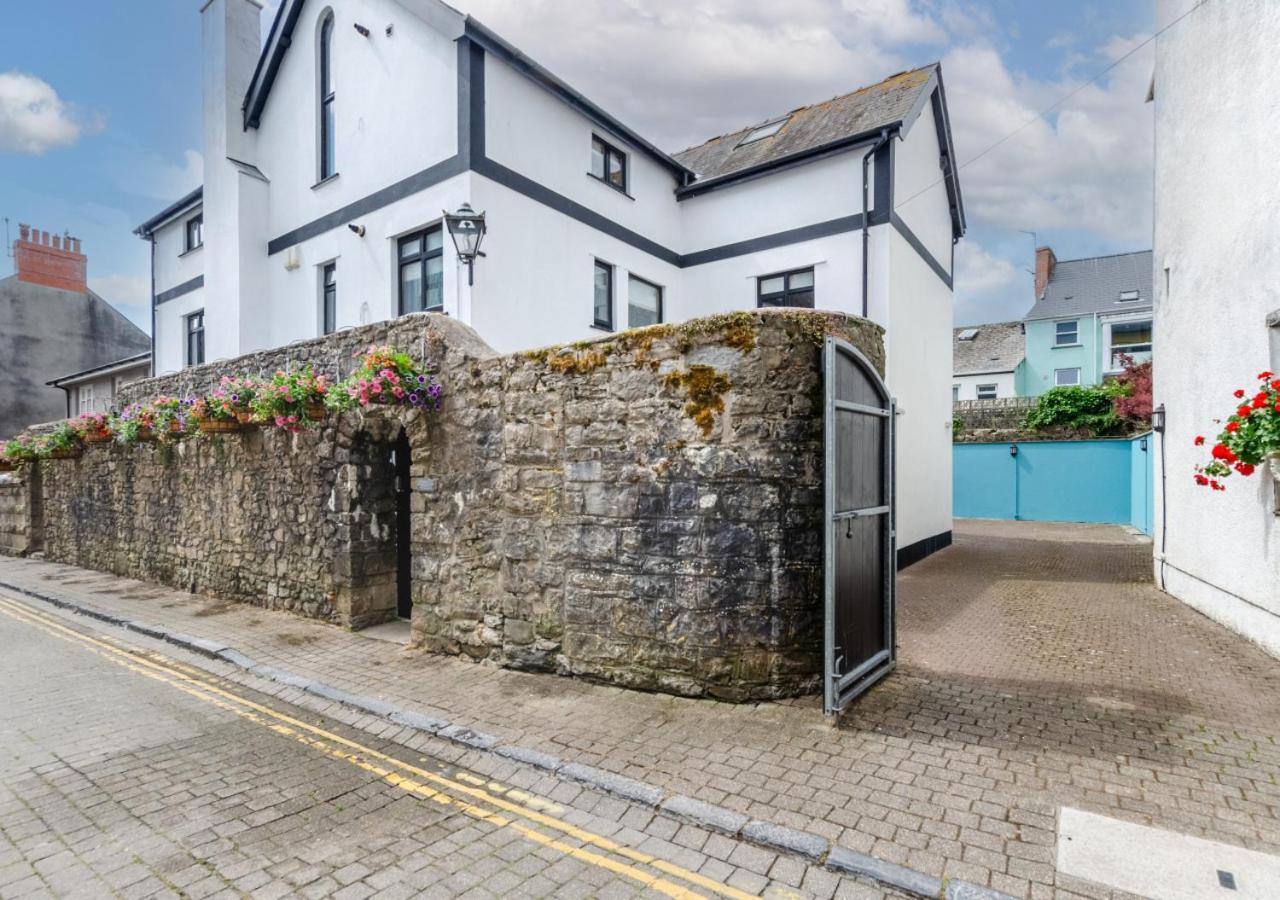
328	159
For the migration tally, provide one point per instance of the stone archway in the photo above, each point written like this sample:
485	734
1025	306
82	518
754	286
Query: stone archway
364	500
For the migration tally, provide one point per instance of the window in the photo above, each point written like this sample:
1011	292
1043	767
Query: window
967	334
955	393
422	271
603	315
764	131
195	232
609	164
986	392
1128	296
329	299
644	303
1130	339
195	338
328	158
1066	377
1067	333
84	394
788	289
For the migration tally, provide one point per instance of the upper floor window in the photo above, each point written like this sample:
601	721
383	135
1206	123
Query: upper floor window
609	164
786	289
195	232
328	158
603	314
195	338
1066	333
421	262
329	298
644	303
85	394
1132	339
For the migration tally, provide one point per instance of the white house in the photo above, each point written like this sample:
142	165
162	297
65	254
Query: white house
987	361
1217	300
331	154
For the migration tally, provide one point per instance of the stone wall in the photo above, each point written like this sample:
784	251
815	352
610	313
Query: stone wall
21	519
645	508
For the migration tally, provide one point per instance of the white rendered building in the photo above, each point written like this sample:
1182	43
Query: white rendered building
331	153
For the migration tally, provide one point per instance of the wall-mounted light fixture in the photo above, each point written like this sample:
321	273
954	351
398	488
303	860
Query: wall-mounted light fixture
466	227
364	32
358	229
1013	449
1157	419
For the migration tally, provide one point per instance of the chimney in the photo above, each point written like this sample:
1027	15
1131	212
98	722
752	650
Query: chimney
1045	261
52	262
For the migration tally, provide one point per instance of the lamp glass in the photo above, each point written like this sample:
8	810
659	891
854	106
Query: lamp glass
466	227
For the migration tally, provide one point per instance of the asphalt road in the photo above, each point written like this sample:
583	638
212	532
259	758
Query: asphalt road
130	773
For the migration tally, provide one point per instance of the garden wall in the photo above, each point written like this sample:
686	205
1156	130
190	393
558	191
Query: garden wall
645	508
20	515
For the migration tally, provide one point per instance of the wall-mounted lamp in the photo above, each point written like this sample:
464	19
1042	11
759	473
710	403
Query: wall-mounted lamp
1013	449
358	229
467	228
364	32
1157	419
390	30
1143	444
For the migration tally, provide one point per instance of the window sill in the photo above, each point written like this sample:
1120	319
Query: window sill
323	181
1066	347
609	184
199	246
598	327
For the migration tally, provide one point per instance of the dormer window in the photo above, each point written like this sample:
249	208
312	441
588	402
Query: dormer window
769	129
1128	296
968	334
328	158
609	164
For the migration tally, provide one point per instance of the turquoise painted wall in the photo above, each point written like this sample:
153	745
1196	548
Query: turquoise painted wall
1102	481
1043	356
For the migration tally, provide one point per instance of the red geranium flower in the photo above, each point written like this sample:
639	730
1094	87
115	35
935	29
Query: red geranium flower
1201	480
1244	468
1216	486
1260	400
1199	440
1239	392
1233	427
1243	412
1264	375
1223	452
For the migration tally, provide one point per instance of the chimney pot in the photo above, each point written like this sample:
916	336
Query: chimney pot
24	232
56	263
57	242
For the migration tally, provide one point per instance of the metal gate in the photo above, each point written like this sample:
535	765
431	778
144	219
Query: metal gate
859	526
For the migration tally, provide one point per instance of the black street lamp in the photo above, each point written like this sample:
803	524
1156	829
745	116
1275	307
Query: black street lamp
466	227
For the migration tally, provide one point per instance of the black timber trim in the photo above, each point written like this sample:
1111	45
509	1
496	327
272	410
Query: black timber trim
921	250
842	225
420	181
521	184
494	44
279	38
169	212
942	123
882	200
913	553
175	292
471	95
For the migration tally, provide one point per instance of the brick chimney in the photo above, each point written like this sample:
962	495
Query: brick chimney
52	261
1045	261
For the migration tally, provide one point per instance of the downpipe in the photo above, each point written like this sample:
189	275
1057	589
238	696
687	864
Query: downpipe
866	202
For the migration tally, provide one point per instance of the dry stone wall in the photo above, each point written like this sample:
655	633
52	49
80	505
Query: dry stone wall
644	508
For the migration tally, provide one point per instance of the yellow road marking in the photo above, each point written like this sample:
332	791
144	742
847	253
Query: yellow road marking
361	756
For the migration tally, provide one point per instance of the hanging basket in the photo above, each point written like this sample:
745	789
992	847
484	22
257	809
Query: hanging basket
146	435
218	426
65	454
97	437
244	416
315	412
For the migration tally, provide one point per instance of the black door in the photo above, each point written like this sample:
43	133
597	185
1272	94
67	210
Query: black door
404	555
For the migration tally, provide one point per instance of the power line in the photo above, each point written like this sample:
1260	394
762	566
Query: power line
1048	109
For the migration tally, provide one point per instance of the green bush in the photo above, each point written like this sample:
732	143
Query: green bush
1084	408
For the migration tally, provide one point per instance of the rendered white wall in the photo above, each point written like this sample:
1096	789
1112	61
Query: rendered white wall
1005	382
174	266
170	337
1215	231
919	194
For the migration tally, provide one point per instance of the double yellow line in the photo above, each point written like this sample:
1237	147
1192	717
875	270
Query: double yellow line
484	804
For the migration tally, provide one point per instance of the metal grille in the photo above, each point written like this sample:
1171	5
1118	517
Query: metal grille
859	525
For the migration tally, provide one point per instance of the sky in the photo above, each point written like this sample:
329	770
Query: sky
100	109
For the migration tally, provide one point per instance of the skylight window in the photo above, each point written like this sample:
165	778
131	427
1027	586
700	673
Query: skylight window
764	131
1127	296
968	334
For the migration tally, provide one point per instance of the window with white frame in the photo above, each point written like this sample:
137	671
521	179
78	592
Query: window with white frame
1132	339
986	392
1066	377
1066	333
85	396
955	393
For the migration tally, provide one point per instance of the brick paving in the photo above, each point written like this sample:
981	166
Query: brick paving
1038	668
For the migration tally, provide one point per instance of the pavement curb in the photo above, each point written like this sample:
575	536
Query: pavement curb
778	838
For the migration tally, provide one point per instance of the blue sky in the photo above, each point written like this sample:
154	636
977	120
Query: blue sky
100	112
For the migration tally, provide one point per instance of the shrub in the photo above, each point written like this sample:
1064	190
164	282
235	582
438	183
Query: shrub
23	448
1084	408
1133	401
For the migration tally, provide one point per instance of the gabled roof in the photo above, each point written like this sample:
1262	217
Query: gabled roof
129	362
994	347
1080	287
148	227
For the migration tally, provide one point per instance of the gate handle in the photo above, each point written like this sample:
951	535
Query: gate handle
848	527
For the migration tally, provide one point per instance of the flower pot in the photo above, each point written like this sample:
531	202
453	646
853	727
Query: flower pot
146	434
97	437
65	454
175	427
218	426
6	466
315	411
244	416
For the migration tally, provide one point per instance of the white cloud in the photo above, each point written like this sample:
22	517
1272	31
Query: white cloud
131	294
34	119
988	288
162	179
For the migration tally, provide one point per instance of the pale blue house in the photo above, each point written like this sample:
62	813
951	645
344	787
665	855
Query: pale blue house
1088	314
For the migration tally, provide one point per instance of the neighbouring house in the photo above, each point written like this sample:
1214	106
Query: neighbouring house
332	148
987	361
1217	301
1088	314
94	389
50	324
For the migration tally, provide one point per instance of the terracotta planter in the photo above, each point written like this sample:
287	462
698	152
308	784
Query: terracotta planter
315	412
97	437
218	426
244	417
175	427
65	454
146	435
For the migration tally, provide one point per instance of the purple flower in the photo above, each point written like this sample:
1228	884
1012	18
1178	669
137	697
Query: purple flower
413	398
235	398
434	391
422	379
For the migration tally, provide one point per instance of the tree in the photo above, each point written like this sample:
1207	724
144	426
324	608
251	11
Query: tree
1134	401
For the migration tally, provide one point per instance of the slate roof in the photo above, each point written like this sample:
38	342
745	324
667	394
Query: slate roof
998	347
1085	286
860	112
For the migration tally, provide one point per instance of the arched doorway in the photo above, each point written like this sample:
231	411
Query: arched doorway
402	461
